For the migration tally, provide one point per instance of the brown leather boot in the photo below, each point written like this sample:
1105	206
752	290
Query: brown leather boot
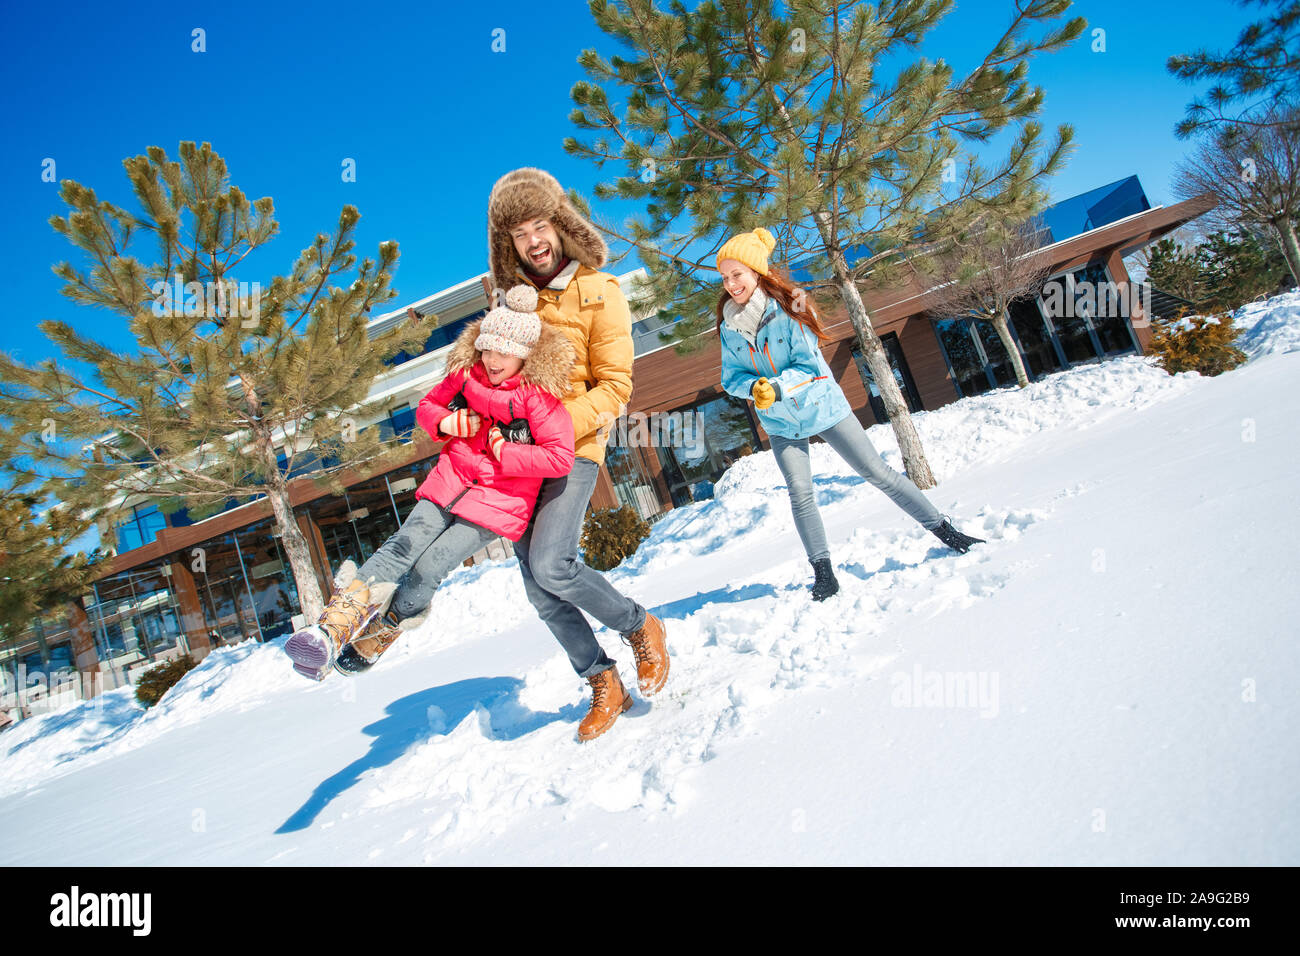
364	650
651	653
608	699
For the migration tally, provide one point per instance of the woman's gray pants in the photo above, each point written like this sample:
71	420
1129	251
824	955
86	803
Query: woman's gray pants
431	543
850	443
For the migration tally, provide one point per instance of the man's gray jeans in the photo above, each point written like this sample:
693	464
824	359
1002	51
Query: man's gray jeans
431	543
850	443
559	585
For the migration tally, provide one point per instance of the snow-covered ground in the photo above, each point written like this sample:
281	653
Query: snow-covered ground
1109	680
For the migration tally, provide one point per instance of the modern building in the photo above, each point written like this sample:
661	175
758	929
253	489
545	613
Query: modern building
179	586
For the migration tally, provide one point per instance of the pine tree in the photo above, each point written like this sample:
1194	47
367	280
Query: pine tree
980	273
1221	272
1240	266
1196	343
745	114
1261	71
232	387
38	571
1174	268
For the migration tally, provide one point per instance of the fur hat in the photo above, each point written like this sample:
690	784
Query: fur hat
526	194
513	328
750	248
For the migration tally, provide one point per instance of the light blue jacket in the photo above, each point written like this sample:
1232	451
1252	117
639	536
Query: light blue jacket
809	400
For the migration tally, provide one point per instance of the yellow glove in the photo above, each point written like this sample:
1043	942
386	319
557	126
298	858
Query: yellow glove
764	394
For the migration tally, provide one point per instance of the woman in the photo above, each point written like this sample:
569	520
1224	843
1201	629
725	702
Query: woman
770	353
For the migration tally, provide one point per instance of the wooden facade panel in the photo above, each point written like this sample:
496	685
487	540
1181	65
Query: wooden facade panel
664	380
925	359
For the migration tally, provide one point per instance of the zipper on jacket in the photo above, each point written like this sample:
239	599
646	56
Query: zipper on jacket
769	359
815	378
451	504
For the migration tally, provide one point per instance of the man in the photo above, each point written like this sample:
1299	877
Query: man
535	234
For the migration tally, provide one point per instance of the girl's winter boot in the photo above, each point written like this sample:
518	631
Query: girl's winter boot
364	650
824	583
354	605
953	538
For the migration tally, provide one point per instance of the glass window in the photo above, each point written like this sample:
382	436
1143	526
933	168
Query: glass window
402	421
964	358
998	362
61	658
1098	326
139	528
1108	315
713	435
633	485
1035	342
1072	329
269	579
902	375
136	616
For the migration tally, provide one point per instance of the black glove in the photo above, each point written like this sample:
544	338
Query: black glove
518	432
457	402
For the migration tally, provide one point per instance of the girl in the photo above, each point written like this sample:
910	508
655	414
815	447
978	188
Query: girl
762	332
500	405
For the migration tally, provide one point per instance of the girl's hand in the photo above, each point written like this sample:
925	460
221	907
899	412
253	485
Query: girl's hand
495	442
764	394
461	424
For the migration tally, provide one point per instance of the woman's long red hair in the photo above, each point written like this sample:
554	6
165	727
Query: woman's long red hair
785	293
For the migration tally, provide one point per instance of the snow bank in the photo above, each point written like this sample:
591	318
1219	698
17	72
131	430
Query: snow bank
1271	327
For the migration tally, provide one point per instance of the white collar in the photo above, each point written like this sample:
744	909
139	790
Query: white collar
562	278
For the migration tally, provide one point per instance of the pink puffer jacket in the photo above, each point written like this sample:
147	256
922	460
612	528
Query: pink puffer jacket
467	480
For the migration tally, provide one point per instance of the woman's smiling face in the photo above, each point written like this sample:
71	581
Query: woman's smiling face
738	279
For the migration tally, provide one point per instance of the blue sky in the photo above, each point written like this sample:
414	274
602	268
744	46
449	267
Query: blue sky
432	116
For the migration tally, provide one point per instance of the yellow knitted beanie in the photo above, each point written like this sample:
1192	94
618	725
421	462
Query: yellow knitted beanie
751	248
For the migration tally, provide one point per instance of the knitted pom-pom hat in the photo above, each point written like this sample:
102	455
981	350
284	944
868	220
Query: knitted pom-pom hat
750	248
513	328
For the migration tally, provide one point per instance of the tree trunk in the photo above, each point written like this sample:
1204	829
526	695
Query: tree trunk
909	442
295	547
291	538
1004	336
1290	248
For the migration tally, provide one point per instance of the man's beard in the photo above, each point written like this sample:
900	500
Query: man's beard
550	265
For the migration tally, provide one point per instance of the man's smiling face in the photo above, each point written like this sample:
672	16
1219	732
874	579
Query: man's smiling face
538	246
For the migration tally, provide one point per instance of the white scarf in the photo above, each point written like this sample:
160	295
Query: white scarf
744	319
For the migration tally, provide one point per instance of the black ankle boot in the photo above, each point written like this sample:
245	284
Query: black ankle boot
824	583
953	538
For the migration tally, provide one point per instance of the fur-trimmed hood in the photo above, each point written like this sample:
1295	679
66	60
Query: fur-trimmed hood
548	365
531	193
